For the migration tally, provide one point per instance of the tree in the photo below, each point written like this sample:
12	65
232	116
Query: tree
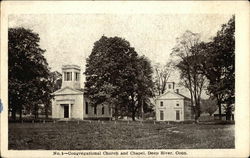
56	80
162	74
106	69
145	84
209	106
219	66
28	71
190	59
115	74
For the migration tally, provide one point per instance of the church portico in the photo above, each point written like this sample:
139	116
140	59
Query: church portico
66	106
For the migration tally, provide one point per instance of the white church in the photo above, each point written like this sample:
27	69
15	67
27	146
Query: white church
70	103
173	106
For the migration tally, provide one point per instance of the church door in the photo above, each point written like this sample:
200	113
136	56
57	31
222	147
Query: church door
66	111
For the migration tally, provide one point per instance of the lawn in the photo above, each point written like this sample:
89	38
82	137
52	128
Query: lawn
96	135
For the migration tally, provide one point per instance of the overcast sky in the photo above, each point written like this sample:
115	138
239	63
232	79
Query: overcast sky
69	38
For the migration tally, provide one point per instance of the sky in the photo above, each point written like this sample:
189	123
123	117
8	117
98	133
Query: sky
69	38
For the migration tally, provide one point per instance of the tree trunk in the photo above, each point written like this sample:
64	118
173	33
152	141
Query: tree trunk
228	112
46	111
115	113
219	105
35	111
13	114
133	115
142	111
20	113
197	112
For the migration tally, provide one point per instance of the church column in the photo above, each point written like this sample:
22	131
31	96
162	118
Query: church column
69	110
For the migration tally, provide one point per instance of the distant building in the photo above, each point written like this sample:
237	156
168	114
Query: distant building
172	106
70	103
223	113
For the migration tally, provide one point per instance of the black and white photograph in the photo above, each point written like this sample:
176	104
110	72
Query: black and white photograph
138	83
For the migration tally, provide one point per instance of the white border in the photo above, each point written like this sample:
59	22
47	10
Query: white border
239	8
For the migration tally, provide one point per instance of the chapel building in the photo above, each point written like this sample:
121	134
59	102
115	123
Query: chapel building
173	106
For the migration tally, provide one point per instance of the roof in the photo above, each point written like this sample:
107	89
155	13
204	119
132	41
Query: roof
67	90
183	96
174	95
71	67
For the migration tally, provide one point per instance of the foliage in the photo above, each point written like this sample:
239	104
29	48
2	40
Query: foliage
28	71
189	65
209	106
56	80
219	66
115	74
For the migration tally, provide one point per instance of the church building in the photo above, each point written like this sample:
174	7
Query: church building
173	106
69	102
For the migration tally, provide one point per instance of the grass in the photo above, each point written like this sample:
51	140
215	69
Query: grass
95	136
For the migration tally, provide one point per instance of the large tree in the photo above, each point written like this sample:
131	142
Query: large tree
144	86
28	71
219	66
189	60
114	75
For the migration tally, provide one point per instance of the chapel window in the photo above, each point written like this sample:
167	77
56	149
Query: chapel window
161	103
177	103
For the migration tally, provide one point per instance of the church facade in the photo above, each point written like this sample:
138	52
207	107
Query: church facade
173	106
69	102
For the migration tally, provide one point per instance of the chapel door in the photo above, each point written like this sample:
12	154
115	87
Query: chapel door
161	115
66	111
177	114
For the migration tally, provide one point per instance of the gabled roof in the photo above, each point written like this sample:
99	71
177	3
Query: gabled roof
183	96
172	95
67	90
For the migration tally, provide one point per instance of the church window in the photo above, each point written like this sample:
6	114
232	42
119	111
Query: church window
67	76
77	76
177	103
161	103
95	110
169	86
102	110
86	108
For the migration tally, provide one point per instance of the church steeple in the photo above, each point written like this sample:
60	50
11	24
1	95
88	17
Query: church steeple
71	76
170	86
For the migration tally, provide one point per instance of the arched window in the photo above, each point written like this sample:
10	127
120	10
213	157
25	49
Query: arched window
161	103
